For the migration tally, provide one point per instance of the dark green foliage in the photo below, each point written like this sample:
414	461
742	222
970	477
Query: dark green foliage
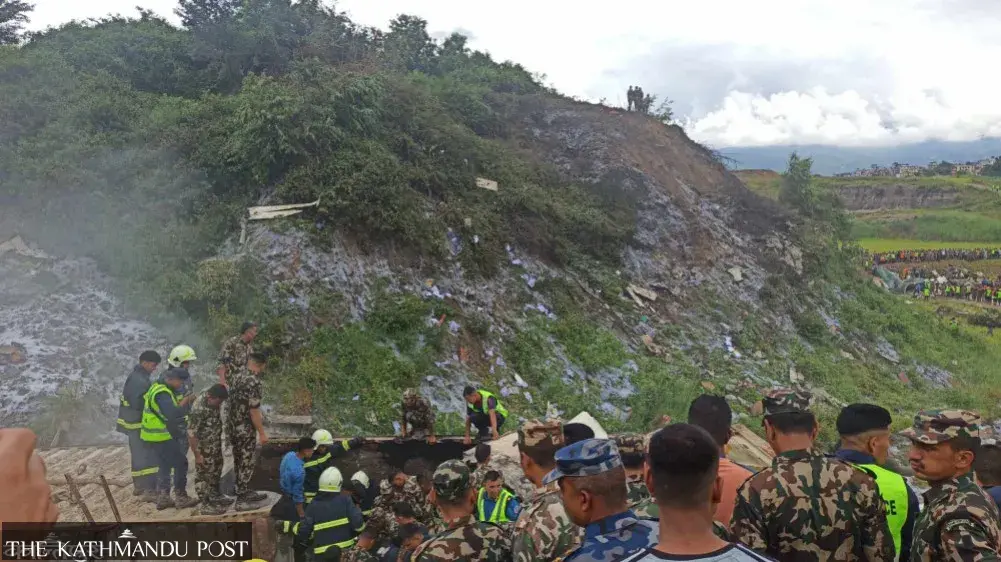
13	16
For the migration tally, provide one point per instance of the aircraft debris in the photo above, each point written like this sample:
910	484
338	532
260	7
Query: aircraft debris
267	212
486	184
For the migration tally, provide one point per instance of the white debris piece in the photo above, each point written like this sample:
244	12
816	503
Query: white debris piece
486	184
279	211
736	273
18	246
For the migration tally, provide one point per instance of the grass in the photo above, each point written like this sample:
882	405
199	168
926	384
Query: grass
890	244
947	225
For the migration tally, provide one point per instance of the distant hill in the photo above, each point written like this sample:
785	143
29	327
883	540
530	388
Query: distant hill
829	160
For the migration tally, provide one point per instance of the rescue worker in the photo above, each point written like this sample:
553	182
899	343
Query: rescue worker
592	485
633	453
399	488
236	352
205	440
482	456
865	443
411	536
682	476
465	538
291	508
163	429
418	417
485	412
713	414
179	361
543	530
806	506
130	414
364	550
323	458
245	428
959	522
987	467
365	491
494	502
332	522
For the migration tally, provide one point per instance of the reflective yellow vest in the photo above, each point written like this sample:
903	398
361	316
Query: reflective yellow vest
499	514
154	426
893	490
481	407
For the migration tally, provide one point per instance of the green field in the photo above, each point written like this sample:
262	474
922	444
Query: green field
890	244
950	226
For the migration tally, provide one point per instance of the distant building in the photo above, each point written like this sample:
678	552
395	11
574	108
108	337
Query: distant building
969	169
906	170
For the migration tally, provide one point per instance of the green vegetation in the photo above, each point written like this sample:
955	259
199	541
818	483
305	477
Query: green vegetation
890	244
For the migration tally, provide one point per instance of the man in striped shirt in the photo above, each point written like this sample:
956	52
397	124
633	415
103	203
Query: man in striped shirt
682	475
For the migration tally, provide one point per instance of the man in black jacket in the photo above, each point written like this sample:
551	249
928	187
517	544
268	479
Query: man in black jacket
130	413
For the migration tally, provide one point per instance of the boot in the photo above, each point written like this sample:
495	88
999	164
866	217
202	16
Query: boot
221	500
252	497
163	501
209	508
182	500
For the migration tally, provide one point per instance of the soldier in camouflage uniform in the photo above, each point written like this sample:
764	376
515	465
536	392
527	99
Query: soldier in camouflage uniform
235	352
632	449
806	506
482	453
400	488
363	551
543	530
205	438
960	522
244	427
593	489
418	417
465	538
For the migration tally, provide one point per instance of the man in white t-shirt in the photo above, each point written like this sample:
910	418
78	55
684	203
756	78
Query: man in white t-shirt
682	475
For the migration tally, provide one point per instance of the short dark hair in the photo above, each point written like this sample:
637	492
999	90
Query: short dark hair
246	326
403	509
482	452
469	390
632	461
793	422
150	356
856	419
683	460
259	358
305	444
609	485
965	443
542	455
410	530
574	432
492	476
987	464
218	391
713	414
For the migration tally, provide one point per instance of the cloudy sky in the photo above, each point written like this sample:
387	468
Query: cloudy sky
842	72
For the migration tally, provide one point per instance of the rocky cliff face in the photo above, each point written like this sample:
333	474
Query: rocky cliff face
872	198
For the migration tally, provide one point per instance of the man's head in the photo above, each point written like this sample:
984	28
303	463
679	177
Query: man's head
788	418
987	464
576	432
399	479
256	363
632	450
592	480
149	360
410	536
494	483
323	440
248	331
172	378
944	443
366	540
451	488
216	395
404	513
304	448
682	465
471	395
866	428
482	453
538	442
712	414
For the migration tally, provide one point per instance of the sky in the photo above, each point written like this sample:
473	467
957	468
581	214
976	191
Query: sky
768	72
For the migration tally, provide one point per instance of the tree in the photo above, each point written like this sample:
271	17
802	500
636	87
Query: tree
408	46
200	13
13	16
665	111
797	185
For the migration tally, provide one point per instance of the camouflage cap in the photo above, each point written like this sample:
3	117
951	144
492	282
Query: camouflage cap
589	457
451	480
537	434
410	393
631	444
932	427
786	401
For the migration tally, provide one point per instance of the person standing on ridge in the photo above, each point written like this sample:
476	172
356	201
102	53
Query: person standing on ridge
245	427
485	411
960	522
865	443
163	429
130	414
806	506
713	414
418	417
236	352
205	440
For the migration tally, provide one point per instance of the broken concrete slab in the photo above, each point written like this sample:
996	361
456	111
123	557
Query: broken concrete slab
645	293
484	183
737	273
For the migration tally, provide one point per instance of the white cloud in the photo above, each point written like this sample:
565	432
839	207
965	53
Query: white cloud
852	72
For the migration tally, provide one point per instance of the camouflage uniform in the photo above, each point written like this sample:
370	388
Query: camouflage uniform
543	530
478	477
960	522
205	423
640	500
465	539
808	507
234	354
358	555
382	521
245	393
417	413
612	537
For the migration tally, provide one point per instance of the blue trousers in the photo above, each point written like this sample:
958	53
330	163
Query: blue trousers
144	463
172	458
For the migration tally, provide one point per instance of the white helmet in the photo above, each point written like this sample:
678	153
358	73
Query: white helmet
323	437
330	480
181	354
361	478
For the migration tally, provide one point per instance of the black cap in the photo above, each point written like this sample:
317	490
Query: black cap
860	418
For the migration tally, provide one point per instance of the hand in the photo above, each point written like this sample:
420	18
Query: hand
494	435
467	441
432	440
262	437
199	459
27	496
187	400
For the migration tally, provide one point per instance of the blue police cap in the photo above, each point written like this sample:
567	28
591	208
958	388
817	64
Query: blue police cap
585	458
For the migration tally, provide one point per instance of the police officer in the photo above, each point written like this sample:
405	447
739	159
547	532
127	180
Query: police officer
130	413
494	502
806	506
332	522
960	522
323	458
633	452
484	411
592	485
865	443
163	429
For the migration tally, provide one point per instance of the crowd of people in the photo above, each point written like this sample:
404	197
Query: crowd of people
958	254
